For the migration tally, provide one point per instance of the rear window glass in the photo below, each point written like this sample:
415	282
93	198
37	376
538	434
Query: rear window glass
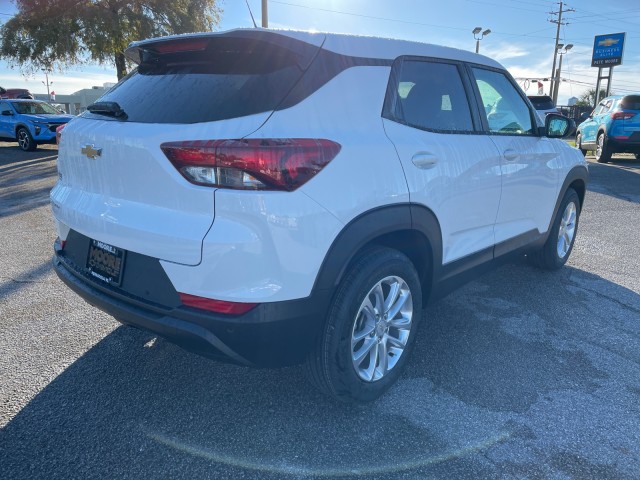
630	102
226	80
542	103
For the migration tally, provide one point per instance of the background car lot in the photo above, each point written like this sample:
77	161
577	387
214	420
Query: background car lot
515	374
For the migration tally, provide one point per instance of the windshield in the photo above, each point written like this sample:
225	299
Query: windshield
542	102
35	108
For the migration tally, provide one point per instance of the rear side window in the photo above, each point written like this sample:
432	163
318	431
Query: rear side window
630	102
429	95
506	111
225	78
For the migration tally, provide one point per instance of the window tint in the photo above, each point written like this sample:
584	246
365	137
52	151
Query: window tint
431	95
4	106
230	78
505	110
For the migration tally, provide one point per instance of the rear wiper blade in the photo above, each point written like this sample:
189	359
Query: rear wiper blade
111	109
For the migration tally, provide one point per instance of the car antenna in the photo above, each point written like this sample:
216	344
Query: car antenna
251	13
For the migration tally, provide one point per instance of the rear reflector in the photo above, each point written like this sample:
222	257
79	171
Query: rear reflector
218	306
622	115
620	137
253	164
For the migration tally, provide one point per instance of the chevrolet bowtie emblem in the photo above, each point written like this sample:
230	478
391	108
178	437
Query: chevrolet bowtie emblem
91	151
607	42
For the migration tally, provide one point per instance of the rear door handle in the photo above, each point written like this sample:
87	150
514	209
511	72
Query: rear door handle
424	160
510	155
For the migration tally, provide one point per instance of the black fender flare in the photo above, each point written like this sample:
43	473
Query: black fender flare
378	223
578	175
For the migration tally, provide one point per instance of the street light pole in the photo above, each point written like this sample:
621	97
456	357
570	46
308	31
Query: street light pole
265	14
560	50
478	34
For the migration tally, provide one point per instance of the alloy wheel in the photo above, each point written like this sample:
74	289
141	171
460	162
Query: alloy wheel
23	140
567	229
599	146
381	328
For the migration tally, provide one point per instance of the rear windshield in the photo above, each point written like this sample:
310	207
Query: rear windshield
225	79
542	103
630	102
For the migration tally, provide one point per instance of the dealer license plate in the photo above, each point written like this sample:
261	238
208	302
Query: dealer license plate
105	262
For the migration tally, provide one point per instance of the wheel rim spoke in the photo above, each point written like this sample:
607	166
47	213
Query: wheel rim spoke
370	372
366	349
379	296
394	293
383	359
397	306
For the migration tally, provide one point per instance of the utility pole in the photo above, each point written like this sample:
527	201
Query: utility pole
554	80
47	84
265	15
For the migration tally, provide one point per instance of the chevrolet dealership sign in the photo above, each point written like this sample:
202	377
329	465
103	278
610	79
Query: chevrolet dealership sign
607	50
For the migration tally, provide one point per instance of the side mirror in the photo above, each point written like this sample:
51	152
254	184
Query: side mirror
584	116
558	126
7	113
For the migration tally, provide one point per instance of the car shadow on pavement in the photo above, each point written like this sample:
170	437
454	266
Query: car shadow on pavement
26	178
620	178
505	362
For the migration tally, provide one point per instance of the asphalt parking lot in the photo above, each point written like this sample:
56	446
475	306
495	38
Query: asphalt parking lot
519	374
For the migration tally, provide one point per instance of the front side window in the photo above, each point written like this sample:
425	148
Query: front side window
506	111
430	95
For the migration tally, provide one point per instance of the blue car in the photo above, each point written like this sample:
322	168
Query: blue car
613	127
30	122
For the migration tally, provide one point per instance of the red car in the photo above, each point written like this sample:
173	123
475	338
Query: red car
15	93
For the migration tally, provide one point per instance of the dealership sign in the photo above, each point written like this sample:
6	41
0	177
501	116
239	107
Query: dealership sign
607	50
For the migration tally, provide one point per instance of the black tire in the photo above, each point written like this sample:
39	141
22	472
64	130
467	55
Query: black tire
330	366
603	152
579	144
25	140
549	257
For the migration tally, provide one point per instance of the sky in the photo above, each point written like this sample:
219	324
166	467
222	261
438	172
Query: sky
521	38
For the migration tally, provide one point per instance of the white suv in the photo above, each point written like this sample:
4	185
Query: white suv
277	197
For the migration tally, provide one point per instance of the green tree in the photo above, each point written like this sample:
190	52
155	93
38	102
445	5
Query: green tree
54	34
589	97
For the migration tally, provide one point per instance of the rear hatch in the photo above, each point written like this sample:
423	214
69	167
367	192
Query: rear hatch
115	183
629	117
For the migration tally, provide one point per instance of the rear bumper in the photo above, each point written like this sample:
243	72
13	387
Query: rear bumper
271	335
630	145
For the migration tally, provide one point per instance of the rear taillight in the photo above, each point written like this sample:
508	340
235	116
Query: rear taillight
253	164
59	132
218	306
622	115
